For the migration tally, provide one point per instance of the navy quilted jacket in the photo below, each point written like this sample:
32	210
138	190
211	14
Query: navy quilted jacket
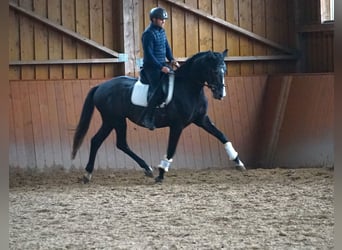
156	47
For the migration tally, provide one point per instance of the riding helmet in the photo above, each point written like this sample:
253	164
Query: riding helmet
158	12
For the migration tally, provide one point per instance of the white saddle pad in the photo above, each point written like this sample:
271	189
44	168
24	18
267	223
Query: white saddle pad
140	90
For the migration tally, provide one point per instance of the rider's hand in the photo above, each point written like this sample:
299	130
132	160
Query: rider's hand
165	70
175	63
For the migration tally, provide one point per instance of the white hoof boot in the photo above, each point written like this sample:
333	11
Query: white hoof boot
165	164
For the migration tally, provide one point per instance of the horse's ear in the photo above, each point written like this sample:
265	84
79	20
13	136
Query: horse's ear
225	53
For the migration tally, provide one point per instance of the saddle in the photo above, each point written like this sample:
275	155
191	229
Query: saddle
140	92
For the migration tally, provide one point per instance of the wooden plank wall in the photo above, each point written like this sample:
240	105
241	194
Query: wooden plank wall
307	132
319	51
46	100
31	40
310	15
316	40
299	132
189	34
101	21
44	114
267	127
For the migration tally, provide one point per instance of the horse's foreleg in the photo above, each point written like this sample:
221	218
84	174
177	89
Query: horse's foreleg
165	163
234	156
96	142
121	143
208	126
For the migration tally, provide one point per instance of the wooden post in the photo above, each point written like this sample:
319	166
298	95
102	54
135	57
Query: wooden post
131	35
298	12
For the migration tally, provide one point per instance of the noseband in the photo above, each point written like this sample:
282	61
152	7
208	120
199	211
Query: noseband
212	86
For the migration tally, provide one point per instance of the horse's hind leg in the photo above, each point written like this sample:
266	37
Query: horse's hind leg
121	142
96	142
174	135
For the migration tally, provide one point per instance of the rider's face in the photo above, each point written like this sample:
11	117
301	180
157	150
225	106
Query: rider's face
159	22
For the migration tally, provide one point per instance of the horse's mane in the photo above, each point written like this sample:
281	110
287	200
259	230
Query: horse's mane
199	58
185	68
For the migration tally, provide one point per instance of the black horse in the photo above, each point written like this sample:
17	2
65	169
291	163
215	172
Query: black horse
188	105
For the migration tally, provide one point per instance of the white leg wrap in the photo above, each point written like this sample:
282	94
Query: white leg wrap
230	151
165	164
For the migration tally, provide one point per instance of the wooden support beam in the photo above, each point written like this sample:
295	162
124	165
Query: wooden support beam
66	61
64	30
252	58
260	58
231	26
131	36
278	120
118	60
323	27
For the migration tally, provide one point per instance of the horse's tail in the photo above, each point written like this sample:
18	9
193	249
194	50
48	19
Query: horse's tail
84	122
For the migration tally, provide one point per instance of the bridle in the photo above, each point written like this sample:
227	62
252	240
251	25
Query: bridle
213	87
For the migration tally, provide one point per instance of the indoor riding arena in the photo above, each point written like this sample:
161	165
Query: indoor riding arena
277	112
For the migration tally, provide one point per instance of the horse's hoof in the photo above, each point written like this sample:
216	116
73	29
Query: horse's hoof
149	172
239	164
86	178
240	168
158	179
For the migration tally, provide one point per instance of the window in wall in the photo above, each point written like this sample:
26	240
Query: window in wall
327	11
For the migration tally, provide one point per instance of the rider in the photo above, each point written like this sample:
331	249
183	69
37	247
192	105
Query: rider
156	49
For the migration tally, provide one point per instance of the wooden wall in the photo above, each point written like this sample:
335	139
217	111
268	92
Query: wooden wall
265	117
111	24
318	51
297	124
44	114
316	39
46	99
189	33
30	39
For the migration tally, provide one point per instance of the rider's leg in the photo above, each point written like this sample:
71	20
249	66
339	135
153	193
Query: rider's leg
153	100
152	104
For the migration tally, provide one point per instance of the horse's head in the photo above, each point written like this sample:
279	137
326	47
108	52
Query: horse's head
213	73
207	69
